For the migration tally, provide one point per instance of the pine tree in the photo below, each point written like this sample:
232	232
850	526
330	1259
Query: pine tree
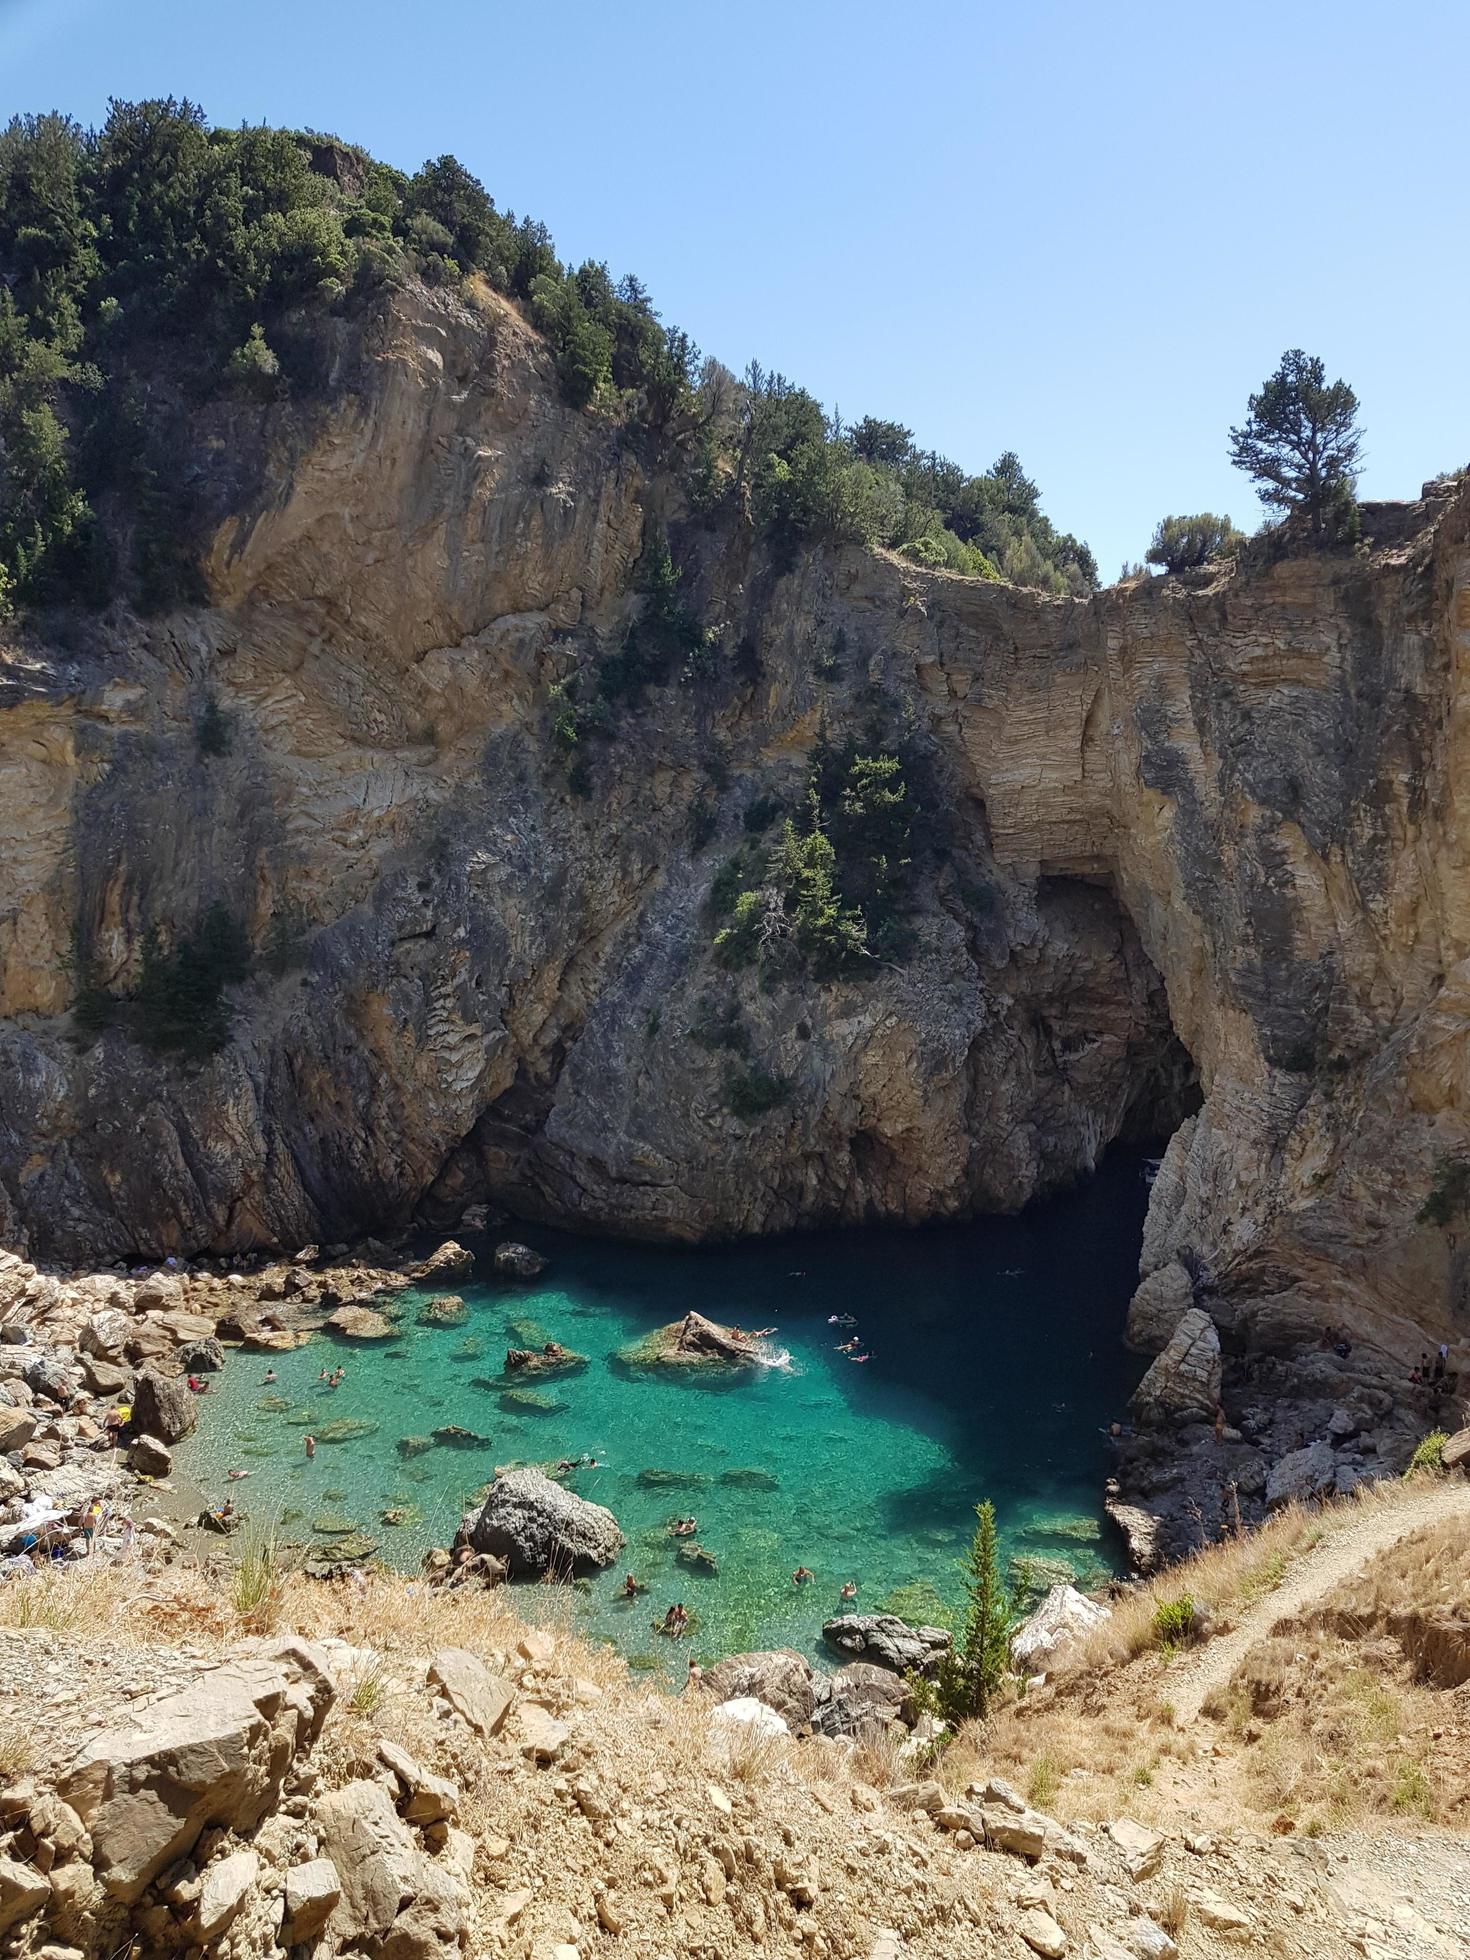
1300	444
972	1672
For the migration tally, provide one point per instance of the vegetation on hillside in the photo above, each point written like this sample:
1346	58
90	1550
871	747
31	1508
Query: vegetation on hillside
827	899
157	265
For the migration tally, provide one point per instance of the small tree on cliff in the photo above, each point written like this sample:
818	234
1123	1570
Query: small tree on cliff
1300	445
971	1673
1182	543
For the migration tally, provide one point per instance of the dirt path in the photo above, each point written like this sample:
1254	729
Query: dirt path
1336	1556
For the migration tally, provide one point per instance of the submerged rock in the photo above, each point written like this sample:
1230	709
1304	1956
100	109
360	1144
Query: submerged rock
750	1480
345	1429
447	1310
411	1446
538	1526
551	1358
526	1401
672	1479
451	1437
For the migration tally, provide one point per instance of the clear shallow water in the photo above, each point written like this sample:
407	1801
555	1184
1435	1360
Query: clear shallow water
996	1363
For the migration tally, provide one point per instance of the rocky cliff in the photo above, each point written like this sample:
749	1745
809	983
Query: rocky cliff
1195	861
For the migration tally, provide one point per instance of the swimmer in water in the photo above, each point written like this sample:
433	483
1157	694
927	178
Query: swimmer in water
802	1575
860	1357
849	1591
270	1375
310	1447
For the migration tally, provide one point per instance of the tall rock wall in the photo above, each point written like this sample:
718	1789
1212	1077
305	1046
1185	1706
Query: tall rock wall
1210	826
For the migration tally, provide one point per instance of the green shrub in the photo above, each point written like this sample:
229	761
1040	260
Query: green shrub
1173	1623
180	1005
1182	543
1449	1194
754	1091
213	731
1429	1455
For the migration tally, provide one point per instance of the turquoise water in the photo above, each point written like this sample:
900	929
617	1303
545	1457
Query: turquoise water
996	1363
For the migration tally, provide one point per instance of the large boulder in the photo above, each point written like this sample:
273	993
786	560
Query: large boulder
395	1901
106	1335
214	1755
204	1357
782	1679
537	1527
693	1342
861	1702
887	1641
164	1406
1157	1308
1457	1450
361	1324
1301	1475
49	1376
1183	1385
448	1261
1062	1617
516	1261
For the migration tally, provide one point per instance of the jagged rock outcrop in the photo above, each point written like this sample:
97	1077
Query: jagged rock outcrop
538	1526
1229	808
1183	1385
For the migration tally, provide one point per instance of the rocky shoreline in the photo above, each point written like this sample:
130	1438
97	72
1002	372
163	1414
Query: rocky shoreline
101	1372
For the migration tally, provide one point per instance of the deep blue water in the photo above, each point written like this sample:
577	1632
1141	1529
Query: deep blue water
996	1363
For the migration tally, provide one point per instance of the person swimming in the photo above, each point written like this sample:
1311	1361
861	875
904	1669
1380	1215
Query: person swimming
841	1320
849	1591
860	1357
270	1375
631	1587
802	1575
846	1347
684	1527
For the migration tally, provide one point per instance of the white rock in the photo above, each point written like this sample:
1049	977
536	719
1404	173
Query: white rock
1063	1616
227	1885
745	1712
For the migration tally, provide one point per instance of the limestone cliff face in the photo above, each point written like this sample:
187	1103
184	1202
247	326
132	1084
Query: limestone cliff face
1231	808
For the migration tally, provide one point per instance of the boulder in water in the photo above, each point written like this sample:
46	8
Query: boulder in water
692	1342
526	1401
516	1261
448	1261
672	1479
445	1310
551	1358
452	1437
538	1526
414	1445
360	1324
698	1559
887	1641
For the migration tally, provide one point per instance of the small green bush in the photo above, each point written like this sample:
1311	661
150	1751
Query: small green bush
753	1092
1173	1623
1430	1453
213	731
1449	1194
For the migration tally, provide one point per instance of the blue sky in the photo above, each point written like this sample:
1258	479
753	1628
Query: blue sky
1084	231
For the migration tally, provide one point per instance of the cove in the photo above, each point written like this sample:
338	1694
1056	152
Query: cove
996	1365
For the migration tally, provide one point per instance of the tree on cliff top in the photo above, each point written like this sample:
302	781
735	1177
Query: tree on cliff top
1182	543
1300	445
